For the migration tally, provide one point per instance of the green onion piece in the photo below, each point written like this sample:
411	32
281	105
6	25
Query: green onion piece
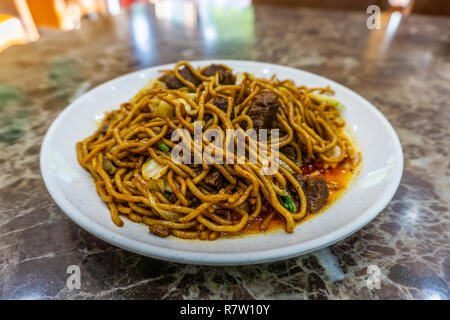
330	100
288	203
251	76
282	89
164	147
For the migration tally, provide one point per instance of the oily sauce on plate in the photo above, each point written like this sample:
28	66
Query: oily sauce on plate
337	179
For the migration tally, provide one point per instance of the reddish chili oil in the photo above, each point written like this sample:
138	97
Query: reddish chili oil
340	176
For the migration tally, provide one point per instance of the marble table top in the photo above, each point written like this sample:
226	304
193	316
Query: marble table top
405	72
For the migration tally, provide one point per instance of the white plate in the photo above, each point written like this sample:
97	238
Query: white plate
73	189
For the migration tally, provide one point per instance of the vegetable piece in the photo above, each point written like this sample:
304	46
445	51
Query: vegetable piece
153	170
152	84
155	101
109	167
288	203
286	166
167	187
192	96
251	76
156	185
321	98
187	106
240	77
163	108
163	147
244	206
165	214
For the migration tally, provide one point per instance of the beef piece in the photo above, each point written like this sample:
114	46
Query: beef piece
290	153
172	82
185	73
222	104
159	230
169	132
316	191
225	76
215	179
263	110
190	197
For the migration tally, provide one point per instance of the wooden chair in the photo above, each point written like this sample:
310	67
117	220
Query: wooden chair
21	10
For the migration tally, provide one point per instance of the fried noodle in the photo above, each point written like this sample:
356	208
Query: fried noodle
177	201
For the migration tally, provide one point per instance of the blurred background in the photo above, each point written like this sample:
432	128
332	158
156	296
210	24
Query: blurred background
22	21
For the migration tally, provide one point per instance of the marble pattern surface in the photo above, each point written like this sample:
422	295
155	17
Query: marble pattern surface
408	79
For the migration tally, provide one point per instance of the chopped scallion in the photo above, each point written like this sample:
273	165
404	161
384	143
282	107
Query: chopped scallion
164	147
288	203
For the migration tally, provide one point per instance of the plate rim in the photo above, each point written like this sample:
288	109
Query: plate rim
221	259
